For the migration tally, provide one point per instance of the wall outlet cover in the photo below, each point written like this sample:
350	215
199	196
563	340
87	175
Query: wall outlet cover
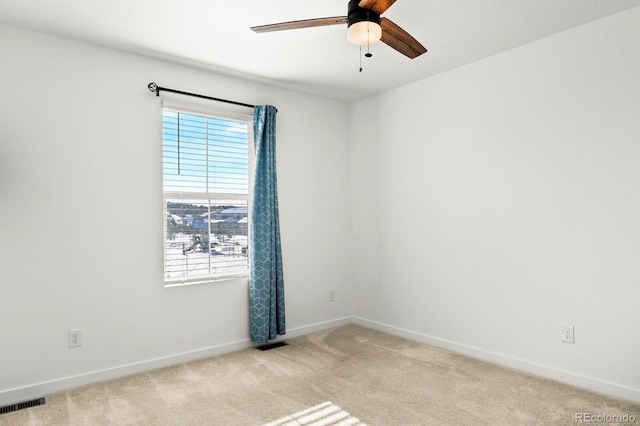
75	338
567	334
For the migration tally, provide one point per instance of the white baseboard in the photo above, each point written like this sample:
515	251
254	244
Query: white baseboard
566	377
312	328
38	390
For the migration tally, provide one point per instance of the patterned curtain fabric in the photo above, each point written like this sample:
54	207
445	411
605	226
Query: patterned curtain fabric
266	288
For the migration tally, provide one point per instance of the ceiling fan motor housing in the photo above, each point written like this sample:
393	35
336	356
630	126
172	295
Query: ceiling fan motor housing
356	14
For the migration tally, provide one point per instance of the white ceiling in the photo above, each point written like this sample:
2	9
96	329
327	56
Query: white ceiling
215	35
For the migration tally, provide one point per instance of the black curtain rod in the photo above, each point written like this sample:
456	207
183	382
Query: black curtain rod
155	88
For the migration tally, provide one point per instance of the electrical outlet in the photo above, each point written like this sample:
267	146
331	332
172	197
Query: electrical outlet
332	295
566	333
75	338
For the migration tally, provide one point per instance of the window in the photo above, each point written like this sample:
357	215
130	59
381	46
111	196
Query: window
206	197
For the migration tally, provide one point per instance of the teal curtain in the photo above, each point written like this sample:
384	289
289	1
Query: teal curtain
266	288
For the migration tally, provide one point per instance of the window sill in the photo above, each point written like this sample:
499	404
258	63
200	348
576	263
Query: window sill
208	280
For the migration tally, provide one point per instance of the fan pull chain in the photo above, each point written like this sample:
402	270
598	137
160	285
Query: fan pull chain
368	54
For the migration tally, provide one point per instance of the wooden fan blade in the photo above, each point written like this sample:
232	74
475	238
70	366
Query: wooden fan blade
306	23
400	40
378	6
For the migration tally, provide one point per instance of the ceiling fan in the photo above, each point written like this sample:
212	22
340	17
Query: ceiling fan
365	27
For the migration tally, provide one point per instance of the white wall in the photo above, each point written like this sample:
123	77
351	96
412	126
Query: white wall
81	200
494	203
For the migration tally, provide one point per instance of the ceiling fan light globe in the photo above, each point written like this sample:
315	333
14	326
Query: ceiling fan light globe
364	32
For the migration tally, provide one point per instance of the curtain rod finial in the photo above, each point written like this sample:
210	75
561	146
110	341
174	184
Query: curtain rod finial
154	88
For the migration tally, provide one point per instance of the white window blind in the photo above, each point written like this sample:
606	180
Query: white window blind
206	195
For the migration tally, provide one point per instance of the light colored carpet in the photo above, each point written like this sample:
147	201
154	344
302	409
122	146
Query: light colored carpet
376	377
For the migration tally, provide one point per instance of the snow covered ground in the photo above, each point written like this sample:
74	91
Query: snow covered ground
223	256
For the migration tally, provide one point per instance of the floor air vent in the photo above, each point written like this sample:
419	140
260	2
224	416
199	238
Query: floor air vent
272	346
21	405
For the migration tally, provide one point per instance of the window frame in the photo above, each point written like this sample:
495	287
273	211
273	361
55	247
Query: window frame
230	114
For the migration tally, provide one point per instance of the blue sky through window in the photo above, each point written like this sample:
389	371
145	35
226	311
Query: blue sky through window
204	154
